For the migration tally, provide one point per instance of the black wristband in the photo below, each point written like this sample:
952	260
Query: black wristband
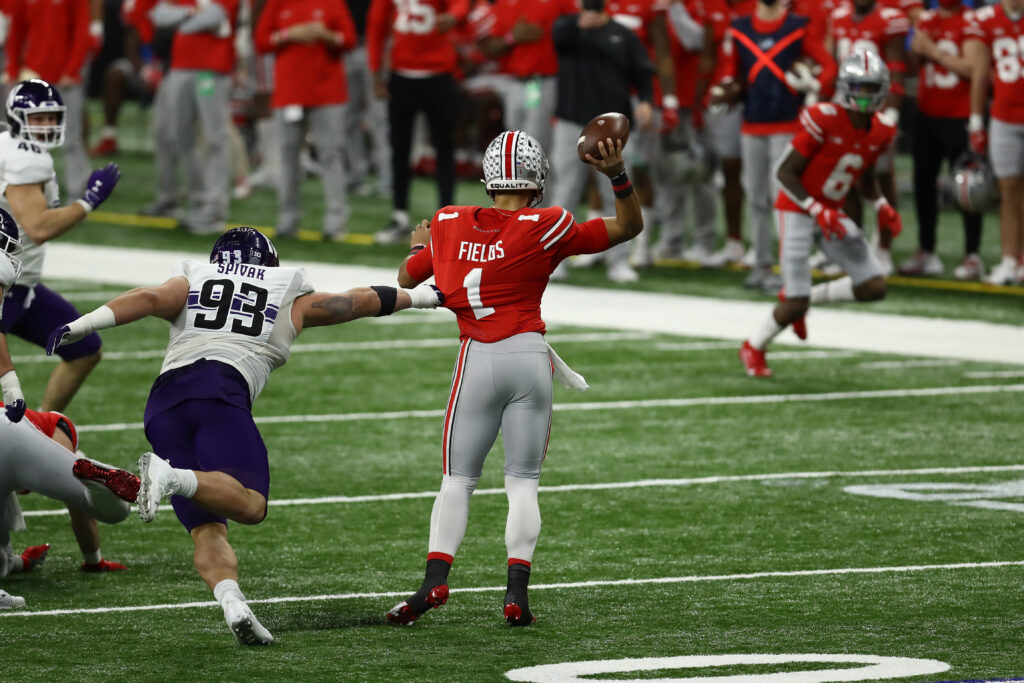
416	248
621	185
388	296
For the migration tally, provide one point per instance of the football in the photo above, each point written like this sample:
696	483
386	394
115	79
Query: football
611	125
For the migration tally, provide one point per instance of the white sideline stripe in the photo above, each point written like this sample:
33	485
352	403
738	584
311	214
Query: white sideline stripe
702	317
622	405
810	355
994	374
605	486
753	576
442	342
695	346
894	364
775	355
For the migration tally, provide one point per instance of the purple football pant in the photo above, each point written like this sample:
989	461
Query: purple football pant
209	435
31	313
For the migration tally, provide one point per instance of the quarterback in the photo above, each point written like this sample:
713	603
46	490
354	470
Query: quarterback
233	321
838	142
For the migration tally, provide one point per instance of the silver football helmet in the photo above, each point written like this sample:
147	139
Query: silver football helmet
863	82
515	161
30	97
974	184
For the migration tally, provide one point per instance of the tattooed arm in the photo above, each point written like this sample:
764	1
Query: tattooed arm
322	308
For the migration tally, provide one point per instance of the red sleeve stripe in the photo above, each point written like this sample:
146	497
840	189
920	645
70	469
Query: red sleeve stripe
554	227
813	129
551	242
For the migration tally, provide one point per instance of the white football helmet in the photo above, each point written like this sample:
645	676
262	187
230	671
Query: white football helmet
863	82
515	161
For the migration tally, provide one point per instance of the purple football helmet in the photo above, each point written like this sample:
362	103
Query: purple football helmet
36	96
244	245
10	245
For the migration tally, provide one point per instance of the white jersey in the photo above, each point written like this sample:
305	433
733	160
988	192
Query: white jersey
26	163
7	273
237	314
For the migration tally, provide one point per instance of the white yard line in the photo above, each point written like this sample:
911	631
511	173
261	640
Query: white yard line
664	580
994	374
691	316
442	342
623	405
897	364
615	485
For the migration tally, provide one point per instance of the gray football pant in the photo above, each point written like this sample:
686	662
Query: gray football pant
569	175
503	385
365	113
759	153
671	197
800	233
532	117
76	161
30	460
327	132
188	97
167	154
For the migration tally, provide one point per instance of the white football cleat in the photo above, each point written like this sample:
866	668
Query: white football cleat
922	263
8	601
1005	273
156	481
622	272
729	255
243	623
972	268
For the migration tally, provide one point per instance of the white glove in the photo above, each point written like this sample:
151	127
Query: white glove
426	296
801	79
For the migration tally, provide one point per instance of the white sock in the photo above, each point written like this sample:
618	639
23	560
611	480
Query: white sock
401	217
836	290
94	557
523	525
769	330
187	482
450	514
228	591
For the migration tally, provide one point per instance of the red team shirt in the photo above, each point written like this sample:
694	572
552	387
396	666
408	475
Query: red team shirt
867	33
719	15
686	63
310	75
1005	39
537	58
493	265
416	45
206	51
49	38
941	93
837	152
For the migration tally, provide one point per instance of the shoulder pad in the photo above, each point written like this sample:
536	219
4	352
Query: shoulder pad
26	163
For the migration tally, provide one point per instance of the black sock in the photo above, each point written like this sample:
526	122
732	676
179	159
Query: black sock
437	574
518	580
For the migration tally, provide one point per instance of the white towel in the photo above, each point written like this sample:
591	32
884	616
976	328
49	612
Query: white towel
569	378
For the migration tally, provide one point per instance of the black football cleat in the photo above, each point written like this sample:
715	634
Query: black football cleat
517	608
415	606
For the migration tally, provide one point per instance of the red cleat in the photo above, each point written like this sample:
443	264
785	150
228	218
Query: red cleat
122	483
404	614
34	556
107	147
103	566
514	615
799	326
753	360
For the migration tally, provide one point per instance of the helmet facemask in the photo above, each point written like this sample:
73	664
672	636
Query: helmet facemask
863	83
28	99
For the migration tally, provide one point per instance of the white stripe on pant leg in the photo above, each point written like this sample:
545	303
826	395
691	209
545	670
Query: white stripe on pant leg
453	402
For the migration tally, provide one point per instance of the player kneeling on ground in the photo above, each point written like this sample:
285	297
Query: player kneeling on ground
233	321
493	264
838	142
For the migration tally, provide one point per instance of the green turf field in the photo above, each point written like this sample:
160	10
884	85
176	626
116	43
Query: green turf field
718	525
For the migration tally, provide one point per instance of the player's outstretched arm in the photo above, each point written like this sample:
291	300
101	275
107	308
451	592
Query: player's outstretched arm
628	221
165	301
322	308
418	241
42	224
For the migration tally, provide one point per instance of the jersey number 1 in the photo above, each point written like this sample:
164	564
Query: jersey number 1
472	285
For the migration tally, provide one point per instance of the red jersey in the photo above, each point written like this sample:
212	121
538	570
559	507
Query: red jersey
537	58
908	7
135	13
1005	39
50	39
837	153
718	15
686	63
493	265
940	92
869	33
635	15
311	75
207	51
417	47
818	13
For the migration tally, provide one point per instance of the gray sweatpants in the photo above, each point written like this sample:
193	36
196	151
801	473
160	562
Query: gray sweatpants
327	130
365	114
76	161
759	153
672	195
530	105
503	385
569	175
30	460
188	97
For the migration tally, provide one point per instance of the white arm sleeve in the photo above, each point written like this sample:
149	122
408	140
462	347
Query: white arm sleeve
209	19
690	33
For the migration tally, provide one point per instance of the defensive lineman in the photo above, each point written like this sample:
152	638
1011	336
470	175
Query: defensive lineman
233	321
36	117
492	265
839	141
